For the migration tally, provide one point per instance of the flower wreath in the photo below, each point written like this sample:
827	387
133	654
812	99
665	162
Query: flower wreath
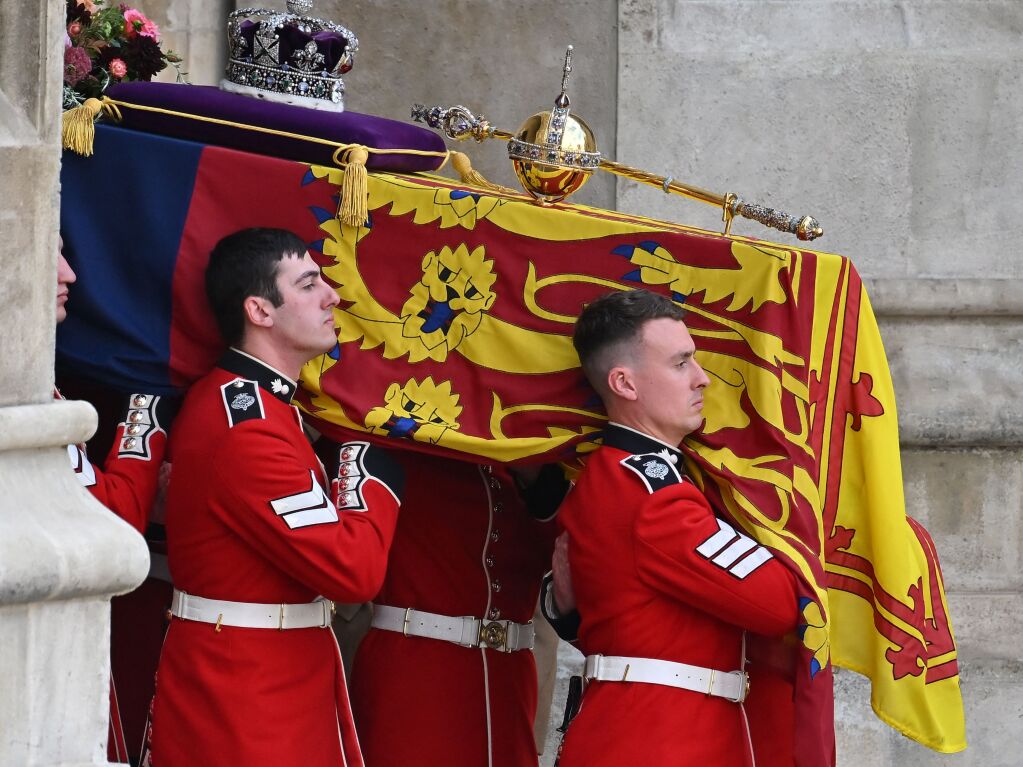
103	46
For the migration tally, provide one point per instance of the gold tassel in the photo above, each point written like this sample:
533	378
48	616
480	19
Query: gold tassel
353	209
78	127
469	175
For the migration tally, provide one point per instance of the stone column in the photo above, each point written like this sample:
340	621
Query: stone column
62	555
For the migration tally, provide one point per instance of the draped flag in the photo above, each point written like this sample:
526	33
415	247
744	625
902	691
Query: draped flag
456	313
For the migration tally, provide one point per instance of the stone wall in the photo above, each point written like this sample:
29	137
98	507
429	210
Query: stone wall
897	124
195	30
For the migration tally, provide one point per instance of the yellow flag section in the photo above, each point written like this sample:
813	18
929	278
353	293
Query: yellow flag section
889	615
457	307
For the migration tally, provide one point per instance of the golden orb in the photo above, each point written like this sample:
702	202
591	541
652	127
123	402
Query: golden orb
554	153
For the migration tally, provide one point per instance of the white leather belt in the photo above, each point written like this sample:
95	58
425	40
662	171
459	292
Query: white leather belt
506	636
731	685
252	615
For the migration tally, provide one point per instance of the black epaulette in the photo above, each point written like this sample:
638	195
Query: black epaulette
656	470
242	401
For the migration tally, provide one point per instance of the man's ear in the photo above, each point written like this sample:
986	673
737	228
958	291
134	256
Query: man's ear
621	382
258	311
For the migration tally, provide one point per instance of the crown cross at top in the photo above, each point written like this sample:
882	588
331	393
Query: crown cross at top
300	7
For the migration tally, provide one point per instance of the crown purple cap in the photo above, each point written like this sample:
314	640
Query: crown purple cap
291	57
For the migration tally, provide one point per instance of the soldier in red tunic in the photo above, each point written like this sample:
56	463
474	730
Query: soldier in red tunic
445	675
250	672
665	590
127	483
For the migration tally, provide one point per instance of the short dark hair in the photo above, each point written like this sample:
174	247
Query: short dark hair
244	264
612	323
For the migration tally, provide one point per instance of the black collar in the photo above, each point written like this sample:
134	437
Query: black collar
245	365
636	442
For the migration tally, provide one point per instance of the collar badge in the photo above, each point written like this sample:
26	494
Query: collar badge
669	456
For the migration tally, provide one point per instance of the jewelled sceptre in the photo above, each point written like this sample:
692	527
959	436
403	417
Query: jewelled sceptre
554	153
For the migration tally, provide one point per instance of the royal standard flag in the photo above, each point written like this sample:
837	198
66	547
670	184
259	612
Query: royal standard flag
457	306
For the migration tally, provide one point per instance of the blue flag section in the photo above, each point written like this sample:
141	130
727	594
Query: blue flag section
123	213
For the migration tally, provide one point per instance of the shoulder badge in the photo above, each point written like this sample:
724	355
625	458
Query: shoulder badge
655	470
242	401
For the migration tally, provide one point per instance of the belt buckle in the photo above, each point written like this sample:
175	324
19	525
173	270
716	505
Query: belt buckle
328	613
494	635
744	690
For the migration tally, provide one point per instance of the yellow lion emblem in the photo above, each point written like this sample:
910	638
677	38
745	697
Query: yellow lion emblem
447	304
420	411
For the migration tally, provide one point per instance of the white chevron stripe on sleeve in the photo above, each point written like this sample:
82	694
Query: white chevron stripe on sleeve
733	551
310	507
752	562
725	535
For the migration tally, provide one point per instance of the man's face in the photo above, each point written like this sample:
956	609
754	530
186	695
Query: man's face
668	380
65	276
305	319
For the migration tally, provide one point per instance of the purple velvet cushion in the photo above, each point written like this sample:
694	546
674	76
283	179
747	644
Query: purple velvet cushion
207	101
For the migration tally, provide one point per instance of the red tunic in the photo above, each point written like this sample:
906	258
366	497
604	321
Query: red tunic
248	521
127	485
465	545
128	480
657	575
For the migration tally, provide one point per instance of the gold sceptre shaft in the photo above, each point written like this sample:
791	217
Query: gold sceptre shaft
459	123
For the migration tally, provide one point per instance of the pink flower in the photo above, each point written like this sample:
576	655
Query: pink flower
133	21
77	65
74	29
136	23
118	68
149	29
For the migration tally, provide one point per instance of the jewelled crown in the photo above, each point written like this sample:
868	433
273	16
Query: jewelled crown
289	57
